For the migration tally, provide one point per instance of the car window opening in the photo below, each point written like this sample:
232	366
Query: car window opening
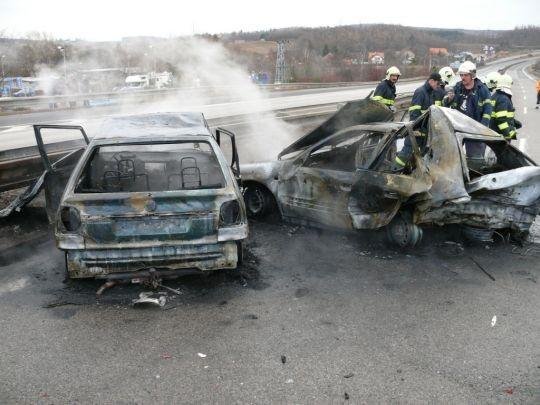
348	153
151	167
490	157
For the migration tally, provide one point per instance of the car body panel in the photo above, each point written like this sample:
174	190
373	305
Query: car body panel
444	186
124	231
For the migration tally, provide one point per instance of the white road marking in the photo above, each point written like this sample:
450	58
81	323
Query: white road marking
524	110
526	74
522	144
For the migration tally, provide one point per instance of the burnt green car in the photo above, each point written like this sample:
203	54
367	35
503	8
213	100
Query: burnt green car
150	195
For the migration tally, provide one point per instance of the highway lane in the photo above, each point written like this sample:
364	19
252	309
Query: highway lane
15	131
524	100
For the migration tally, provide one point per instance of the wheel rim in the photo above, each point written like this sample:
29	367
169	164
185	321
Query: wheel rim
255	201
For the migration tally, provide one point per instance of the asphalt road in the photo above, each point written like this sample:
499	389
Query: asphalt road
312	317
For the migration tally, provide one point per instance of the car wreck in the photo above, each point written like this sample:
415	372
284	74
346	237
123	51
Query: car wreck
149	196
341	175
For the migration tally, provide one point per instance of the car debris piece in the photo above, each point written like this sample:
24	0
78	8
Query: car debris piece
146	298
152	196
342	175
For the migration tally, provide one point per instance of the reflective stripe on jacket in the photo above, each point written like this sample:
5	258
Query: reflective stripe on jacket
502	117
481	100
422	98
385	93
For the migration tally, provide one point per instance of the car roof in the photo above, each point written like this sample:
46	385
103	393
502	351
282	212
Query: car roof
163	126
462	123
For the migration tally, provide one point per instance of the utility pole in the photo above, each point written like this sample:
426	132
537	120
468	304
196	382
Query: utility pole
3	76
63	52
280	63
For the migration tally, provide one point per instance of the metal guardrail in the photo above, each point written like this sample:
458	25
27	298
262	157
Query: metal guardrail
22	166
45	103
14	104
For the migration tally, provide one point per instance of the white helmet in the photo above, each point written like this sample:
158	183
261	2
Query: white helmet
492	79
505	83
447	74
392	71
467	67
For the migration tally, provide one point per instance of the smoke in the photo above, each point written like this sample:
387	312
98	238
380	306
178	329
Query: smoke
207	76
216	85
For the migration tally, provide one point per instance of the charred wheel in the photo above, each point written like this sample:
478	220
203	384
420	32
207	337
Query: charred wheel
403	232
259	201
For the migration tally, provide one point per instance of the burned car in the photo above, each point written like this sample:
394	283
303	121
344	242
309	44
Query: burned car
149	194
342	175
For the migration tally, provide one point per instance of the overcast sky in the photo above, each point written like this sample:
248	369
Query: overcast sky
114	19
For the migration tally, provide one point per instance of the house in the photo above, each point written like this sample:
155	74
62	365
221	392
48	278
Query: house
377	58
438	51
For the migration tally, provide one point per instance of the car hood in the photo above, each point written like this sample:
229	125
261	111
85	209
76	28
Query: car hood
352	113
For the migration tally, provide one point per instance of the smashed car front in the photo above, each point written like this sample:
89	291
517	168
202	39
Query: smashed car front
136	204
498	189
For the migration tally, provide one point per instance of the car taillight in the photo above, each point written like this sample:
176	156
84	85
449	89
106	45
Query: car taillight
70	218
229	214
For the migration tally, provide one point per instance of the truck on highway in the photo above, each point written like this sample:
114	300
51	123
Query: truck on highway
152	80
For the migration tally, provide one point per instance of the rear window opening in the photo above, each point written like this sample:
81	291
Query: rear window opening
491	157
151	167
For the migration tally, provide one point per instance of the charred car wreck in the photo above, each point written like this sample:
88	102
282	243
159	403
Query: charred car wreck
151	195
341	175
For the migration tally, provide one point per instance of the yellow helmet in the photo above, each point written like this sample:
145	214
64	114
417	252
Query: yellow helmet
447	74
492	79
392	71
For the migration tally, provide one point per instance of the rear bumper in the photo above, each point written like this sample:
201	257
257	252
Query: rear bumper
102	262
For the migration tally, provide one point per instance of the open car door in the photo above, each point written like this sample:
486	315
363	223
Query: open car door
72	141
229	151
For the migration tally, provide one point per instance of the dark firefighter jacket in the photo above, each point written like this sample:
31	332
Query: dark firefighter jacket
502	117
475	103
385	93
423	97
438	95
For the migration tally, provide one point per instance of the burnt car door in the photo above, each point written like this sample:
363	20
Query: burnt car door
229	150
317	187
59	159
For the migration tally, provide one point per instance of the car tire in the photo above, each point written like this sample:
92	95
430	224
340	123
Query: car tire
401	231
259	201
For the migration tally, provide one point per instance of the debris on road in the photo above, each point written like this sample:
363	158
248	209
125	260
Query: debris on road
59	304
481	268
346	396
348	375
493	320
166	356
145	299
283	359
105	286
509	390
201	355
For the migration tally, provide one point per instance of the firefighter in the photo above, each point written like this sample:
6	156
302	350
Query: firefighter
385	92
447	79
537	93
472	98
503	120
423	97
491	81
